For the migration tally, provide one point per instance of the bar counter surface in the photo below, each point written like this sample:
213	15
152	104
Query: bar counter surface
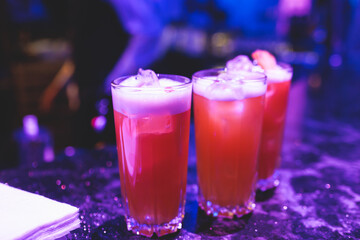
318	197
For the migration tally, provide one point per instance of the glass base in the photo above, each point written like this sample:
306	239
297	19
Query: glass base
226	212
271	182
149	230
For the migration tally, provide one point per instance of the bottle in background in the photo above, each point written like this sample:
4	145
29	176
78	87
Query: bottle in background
34	143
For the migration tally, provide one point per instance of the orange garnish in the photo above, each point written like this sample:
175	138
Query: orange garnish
265	59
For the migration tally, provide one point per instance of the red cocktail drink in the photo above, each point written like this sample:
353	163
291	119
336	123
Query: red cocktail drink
276	98
152	126
278	84
228	111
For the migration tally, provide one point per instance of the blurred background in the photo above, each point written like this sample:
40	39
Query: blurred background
58	57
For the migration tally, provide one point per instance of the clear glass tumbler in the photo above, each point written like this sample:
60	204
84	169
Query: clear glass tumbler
228	112
152	127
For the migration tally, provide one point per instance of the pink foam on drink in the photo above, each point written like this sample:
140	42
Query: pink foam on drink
166	97
230	86
281	73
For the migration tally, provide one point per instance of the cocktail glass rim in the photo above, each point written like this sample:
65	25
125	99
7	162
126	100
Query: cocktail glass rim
184	83
241	76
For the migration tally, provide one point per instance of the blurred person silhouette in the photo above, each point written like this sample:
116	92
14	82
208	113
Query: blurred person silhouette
146	22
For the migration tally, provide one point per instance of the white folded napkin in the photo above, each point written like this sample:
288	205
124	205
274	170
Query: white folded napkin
25	215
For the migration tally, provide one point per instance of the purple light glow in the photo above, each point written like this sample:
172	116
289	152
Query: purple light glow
70	151
98	123
295	7
103	106
49	154
30	125
335	60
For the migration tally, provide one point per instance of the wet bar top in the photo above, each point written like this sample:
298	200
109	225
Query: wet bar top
319	194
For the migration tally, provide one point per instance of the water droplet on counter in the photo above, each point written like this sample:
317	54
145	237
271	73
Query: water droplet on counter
285	207
327	186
